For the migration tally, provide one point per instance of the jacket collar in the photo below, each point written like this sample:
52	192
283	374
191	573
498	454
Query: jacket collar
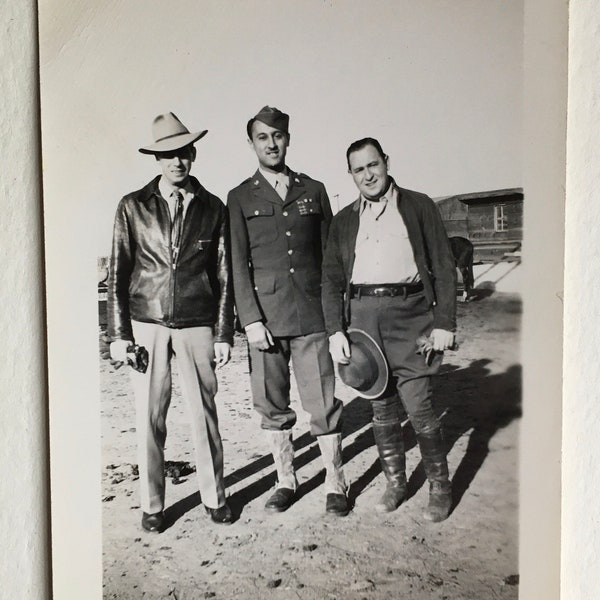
265	190
151	188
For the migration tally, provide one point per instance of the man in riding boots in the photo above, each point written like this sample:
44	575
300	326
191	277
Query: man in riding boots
388	270
169	290
279	224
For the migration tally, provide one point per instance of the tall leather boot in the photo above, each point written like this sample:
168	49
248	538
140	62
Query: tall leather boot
335	482
280	445
435	464
390	445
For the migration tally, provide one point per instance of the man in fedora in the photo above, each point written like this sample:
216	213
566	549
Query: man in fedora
388	270
279	223
169	290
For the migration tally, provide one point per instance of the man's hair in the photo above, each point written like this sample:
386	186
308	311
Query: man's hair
360	144
249	127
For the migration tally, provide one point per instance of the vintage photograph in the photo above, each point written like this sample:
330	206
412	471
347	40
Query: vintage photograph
304	229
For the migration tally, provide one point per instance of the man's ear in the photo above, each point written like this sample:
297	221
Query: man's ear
193	153
387	162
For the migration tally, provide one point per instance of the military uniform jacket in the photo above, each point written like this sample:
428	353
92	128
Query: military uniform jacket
276	252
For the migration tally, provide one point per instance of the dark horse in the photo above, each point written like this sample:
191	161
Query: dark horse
462	249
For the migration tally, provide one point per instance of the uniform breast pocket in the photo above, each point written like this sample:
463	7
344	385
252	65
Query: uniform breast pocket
261	224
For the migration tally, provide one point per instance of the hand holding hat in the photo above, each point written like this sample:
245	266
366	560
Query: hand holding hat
367	370
339	348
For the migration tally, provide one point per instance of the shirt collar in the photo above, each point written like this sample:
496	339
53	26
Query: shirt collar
378	207
166	189
272	178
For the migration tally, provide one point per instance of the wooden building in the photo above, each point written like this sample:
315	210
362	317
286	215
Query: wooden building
492	220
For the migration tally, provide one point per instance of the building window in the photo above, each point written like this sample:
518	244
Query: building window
499	218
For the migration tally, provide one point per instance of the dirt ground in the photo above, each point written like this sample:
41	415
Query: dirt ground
302	553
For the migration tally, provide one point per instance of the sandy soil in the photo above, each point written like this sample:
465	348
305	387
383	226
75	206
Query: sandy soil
302	553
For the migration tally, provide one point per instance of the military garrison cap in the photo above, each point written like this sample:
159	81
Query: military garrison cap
272	117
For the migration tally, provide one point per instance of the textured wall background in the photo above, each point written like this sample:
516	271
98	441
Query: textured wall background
23	446
581	415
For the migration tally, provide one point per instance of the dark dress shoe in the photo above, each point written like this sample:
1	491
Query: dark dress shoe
281	500
337	504
222	514
154	522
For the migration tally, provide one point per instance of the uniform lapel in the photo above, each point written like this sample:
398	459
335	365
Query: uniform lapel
263	190
296	188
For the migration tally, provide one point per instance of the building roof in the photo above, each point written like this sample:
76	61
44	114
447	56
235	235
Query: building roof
488	196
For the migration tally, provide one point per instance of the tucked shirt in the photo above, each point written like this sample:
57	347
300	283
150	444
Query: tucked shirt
383	250
166	191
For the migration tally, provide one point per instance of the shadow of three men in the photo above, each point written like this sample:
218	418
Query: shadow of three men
470	399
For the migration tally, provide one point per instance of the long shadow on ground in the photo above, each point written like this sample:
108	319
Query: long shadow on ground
469	399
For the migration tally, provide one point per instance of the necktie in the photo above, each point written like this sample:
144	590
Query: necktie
281	186
177	224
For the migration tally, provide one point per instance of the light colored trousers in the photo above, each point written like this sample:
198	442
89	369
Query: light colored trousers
194	350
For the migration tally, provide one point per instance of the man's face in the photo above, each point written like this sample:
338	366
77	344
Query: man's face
176	165
370	172
270	145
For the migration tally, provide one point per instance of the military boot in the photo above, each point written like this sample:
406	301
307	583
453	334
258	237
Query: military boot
390	445
435	464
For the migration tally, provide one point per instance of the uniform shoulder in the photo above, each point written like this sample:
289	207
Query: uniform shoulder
244	184
306	179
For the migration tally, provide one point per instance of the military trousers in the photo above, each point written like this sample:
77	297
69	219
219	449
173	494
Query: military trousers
395	323
194	351
315	378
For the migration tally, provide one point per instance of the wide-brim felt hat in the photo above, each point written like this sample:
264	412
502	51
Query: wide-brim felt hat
170	134
368	372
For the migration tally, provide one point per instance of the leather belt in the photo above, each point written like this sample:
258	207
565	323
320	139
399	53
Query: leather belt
385	290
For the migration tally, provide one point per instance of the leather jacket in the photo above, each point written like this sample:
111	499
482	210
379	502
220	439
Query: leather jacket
146	284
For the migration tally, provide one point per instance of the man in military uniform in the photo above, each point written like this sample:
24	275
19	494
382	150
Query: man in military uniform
169	290
389	271
279	224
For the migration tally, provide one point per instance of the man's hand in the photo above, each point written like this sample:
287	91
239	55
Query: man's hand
222	354
118	351
441	339
259	337
339	348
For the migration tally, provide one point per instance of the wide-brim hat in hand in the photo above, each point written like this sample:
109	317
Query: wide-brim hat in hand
170	134
368	372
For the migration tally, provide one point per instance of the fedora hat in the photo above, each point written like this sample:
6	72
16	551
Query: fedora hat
170	134
368	372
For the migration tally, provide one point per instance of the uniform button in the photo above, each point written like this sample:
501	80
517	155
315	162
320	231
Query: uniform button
288	233
256	212
290	252
285	214
292	270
